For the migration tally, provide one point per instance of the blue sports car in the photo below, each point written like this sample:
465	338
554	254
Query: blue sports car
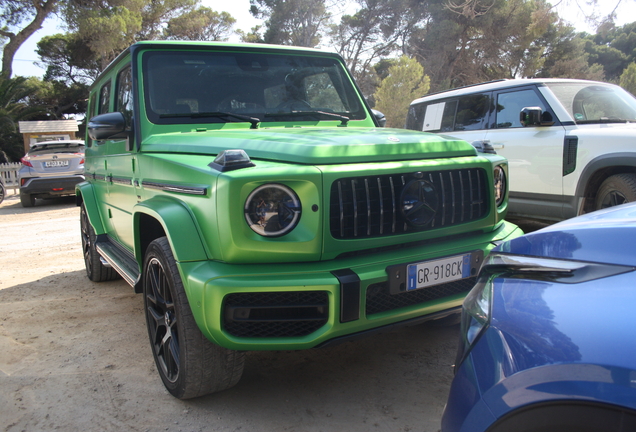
548	334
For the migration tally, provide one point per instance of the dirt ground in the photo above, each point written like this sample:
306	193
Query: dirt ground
75	356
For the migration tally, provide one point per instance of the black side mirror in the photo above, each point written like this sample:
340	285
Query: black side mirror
530	116
107	126
379	117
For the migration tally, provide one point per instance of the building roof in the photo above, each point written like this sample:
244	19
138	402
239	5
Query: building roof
48	126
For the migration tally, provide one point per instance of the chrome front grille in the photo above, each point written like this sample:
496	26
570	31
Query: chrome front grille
373	206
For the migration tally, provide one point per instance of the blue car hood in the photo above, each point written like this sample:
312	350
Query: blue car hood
605	236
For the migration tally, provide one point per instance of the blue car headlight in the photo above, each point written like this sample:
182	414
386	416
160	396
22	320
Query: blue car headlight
476	312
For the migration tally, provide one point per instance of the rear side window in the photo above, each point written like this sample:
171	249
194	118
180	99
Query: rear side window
124	94
435	117
466	113
104	98
471	112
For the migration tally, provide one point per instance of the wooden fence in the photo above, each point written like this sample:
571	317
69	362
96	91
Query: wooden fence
9	173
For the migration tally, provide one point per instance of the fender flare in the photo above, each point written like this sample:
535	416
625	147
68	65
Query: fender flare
626	159
179	225
85	194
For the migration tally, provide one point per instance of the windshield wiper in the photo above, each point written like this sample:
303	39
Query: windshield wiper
240	117
342	118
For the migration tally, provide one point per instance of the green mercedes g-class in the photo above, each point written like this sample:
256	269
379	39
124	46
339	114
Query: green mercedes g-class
249	194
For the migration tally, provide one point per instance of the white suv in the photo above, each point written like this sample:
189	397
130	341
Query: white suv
571	144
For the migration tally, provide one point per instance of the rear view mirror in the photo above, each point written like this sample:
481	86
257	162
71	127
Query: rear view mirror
107	126
530	116
379	118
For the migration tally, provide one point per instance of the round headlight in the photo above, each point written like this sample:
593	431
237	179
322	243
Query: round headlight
500	185
272	210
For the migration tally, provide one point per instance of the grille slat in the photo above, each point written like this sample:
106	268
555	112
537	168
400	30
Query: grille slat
359	209
379	298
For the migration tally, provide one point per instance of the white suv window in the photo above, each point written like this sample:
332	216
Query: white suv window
509	105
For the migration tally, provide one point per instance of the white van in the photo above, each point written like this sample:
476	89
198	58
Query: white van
571	144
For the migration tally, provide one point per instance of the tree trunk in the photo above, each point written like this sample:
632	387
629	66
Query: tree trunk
43	10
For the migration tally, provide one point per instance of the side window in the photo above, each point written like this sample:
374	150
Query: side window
438	117
472	112
125	94
509	105
92	102
104	98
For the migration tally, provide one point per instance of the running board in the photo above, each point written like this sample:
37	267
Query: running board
121	260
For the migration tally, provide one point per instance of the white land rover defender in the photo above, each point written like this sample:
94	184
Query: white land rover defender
571	144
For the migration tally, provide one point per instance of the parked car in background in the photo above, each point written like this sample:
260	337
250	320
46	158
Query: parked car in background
249	193
3	190
548	334
51	169
570	143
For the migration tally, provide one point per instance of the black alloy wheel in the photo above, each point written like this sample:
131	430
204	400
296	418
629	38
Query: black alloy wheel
189	364
95	269
616	190
162	319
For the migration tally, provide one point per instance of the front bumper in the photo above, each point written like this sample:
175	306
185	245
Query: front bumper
304	305
50	186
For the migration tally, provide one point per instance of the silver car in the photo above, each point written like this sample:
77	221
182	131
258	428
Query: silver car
51	169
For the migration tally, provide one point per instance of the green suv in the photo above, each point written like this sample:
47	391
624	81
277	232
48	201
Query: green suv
249	194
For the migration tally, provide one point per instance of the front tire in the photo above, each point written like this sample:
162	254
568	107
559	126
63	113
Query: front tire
616	190
188	363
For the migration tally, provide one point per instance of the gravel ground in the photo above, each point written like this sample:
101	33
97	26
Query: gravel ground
74	356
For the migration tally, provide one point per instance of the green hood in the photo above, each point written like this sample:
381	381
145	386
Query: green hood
315	146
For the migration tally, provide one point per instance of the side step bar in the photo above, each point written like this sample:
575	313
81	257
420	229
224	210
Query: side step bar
121	260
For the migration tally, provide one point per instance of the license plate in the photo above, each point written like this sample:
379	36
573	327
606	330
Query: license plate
58	163
436	272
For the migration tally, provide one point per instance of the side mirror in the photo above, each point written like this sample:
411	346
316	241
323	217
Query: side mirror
379	117
107	126
530	116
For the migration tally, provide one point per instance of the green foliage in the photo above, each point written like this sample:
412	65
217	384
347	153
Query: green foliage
612	47
253	36
628	78
108	27
405	82
68	59
291	22
202	24
16	104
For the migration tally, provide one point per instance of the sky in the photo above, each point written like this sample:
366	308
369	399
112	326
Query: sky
23	63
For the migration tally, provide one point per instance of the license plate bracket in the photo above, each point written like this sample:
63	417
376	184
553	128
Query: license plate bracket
425	274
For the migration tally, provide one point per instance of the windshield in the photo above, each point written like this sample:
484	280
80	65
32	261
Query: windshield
221	87
595	102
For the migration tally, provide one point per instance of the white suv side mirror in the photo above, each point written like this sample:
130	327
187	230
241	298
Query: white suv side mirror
530	116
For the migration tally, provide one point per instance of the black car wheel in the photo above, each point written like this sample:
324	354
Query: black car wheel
27	200
3	192
188	363
95	270
615	190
